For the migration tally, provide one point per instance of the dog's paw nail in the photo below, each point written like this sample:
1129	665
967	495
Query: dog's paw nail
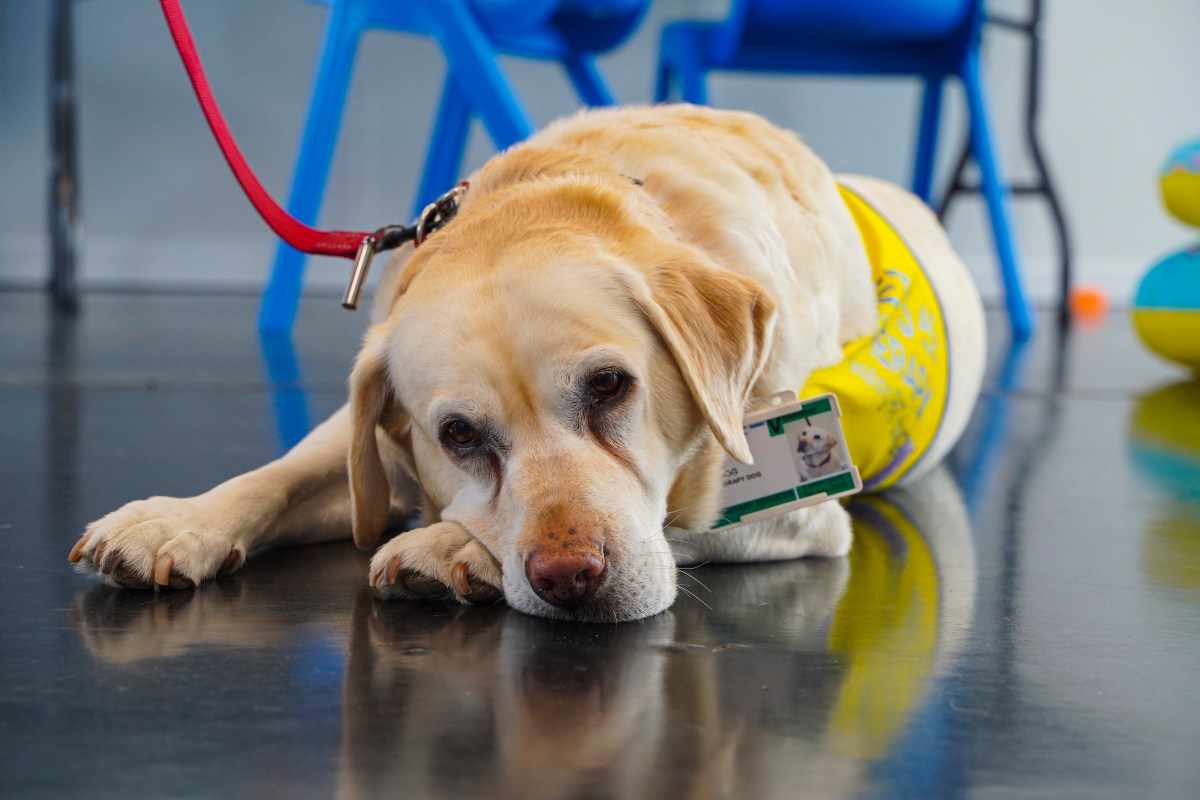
77	551
461	576
393	569
98	554
232	562
384	575
470	588
162	570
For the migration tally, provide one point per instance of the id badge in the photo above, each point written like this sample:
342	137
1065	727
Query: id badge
800	459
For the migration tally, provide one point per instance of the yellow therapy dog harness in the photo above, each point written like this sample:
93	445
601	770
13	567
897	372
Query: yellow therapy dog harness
892	384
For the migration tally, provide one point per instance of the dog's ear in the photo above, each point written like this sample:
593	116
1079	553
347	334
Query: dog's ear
370	393
718	326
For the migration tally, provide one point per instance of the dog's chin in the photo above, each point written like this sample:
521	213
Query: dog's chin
605	607
623	598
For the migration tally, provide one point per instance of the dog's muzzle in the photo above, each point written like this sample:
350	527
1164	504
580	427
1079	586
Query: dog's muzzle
565	576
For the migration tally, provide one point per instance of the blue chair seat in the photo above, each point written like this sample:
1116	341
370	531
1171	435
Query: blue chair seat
929	39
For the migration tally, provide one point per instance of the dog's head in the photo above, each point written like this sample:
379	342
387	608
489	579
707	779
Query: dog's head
814	439
551	363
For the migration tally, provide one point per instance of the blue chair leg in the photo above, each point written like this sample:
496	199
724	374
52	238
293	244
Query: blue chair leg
443	163
282	296
996	194
592	90
927	139
693	87
679	63
690	72
473	61
662	82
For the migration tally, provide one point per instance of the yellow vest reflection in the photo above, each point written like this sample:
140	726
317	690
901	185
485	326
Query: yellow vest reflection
886	626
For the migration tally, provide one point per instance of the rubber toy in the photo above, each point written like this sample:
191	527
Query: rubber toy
1180	183
1088	303
1166	308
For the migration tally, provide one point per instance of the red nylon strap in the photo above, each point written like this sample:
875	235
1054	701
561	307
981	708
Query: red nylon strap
287	227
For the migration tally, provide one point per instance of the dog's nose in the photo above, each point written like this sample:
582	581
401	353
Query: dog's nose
566	576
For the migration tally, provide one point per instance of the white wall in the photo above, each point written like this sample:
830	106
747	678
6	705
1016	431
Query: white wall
161	208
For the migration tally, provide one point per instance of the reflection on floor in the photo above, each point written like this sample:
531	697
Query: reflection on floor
1026	621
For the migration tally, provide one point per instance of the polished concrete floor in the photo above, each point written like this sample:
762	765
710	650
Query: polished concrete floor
1024	623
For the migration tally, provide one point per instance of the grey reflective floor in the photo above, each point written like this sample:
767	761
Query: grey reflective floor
1025	623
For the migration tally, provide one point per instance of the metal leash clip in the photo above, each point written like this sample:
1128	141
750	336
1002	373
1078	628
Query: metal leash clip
438	213
432	217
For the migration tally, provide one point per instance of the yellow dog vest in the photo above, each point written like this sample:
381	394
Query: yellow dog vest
891	384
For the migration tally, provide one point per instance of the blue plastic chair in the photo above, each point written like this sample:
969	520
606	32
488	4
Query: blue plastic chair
931	39
471	34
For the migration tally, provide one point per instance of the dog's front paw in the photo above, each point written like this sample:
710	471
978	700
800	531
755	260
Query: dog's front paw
443	561
162	541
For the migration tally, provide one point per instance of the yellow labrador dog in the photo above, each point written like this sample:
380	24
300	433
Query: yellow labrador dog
554	378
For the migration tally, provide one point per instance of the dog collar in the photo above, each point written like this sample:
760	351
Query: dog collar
432	217
828	453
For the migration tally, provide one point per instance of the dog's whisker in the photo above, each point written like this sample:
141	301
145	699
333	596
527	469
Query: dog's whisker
695	597
697	580
666	554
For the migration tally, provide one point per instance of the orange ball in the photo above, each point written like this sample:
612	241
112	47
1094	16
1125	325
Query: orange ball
1088	302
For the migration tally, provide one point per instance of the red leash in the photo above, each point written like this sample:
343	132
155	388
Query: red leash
359	245
287	227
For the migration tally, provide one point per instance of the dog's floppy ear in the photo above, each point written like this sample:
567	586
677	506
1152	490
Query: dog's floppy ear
718	326
370	495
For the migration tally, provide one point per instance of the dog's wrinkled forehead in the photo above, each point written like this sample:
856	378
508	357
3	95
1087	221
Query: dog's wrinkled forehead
512	337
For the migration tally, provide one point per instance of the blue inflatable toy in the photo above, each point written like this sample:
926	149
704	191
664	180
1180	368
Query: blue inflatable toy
1166	308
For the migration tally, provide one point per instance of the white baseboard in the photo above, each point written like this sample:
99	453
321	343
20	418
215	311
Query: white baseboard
242	266
1116	276
164	265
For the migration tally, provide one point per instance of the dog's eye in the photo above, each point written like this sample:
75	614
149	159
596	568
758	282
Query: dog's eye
608	385
460	433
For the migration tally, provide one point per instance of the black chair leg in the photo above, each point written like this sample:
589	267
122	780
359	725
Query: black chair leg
1042	185
64	178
